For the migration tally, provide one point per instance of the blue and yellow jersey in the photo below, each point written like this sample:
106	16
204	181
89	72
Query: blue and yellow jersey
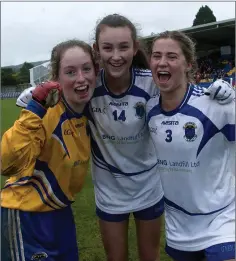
46	154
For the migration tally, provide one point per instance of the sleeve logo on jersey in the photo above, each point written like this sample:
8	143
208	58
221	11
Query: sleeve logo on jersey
140	110
190	134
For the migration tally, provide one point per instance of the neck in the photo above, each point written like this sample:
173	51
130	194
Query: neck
118	85
75	107
171	100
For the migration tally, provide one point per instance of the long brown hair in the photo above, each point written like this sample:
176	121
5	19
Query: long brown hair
140	60
187	46
60	49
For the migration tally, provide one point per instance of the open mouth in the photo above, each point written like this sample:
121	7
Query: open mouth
117	65
163	76
82	90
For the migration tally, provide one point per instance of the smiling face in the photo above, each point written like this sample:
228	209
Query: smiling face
77	76
117	49
168	64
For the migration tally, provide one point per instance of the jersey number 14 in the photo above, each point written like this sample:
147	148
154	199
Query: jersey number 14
121	117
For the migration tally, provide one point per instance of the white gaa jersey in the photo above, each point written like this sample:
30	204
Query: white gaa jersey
124	162
196	160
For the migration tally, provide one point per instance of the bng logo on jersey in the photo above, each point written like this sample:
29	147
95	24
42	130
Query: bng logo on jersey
140	110
189	129
39	256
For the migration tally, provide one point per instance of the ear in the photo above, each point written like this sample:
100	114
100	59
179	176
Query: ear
96	52
95	47
136	47
97	69
189	67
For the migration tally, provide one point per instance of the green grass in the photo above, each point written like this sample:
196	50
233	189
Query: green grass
9	113
88	234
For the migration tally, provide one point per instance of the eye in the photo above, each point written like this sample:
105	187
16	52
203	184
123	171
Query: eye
107	48
70	73
172	57
156	56
87	69
125	47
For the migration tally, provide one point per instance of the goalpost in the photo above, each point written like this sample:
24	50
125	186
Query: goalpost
39	73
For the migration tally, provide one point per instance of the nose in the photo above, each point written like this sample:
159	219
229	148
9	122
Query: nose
116	55
80	77
162	61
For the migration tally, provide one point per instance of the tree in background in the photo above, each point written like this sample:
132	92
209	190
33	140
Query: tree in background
11	78
7	77
204	16
24	74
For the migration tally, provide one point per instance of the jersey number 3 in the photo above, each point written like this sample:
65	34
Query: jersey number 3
121	117
169	136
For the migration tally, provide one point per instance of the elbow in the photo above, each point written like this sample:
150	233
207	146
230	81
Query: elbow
8	166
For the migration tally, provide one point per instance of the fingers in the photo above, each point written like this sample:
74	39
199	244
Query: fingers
52	98
48	94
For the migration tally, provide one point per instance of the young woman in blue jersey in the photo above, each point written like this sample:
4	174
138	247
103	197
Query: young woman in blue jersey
124	161
46	156
194	139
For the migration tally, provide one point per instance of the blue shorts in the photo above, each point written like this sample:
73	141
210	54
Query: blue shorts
219	252
30	236
150	213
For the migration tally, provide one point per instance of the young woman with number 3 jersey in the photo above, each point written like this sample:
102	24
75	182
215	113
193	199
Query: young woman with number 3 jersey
194	140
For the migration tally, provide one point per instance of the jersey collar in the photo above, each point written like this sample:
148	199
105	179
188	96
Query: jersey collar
71	113
187	95
122	94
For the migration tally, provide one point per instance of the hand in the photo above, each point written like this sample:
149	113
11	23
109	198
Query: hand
48	94
221	90
25	97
